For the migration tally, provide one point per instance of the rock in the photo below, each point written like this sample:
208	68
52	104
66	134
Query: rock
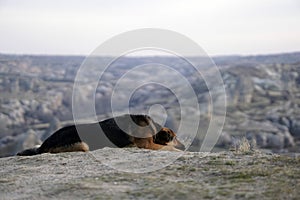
260	138
53	126
6	140
288	140
225	140
3	125
285	121
275	141
10	145
78	175
44	113
31	139
295	128
272	140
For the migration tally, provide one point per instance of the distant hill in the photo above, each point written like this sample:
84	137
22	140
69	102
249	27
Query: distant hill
263	93
287	58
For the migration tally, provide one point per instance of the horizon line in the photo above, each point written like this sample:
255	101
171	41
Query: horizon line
213	55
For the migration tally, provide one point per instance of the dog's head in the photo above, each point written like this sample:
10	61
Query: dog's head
167	137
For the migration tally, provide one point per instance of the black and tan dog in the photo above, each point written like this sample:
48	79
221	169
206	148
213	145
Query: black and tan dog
122	131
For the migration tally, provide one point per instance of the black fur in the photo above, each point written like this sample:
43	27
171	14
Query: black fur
109	135
29	152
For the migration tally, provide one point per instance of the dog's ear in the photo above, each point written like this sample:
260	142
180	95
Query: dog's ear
164	136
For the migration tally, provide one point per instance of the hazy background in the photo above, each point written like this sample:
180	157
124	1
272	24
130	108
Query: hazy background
220	27
263	91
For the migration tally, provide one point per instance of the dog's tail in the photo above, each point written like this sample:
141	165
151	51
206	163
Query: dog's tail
29	152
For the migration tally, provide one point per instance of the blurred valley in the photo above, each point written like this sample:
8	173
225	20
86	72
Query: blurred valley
263	98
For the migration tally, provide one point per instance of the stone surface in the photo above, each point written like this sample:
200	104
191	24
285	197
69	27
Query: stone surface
224	175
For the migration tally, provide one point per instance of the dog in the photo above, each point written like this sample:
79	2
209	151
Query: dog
122	131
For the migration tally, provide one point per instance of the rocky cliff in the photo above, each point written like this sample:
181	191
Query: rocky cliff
263	103
262	98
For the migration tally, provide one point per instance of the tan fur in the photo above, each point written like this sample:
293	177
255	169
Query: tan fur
173	143
147	143
79	146
170	148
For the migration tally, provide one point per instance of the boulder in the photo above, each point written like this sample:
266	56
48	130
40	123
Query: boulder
295	128
31	139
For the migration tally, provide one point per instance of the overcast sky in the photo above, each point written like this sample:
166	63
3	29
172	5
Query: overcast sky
219	26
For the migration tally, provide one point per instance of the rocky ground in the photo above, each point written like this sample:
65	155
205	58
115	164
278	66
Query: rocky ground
97	175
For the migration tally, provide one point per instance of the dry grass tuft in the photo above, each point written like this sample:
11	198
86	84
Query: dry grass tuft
244	146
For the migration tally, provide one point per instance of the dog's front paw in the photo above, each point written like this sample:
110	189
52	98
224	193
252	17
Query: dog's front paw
170	148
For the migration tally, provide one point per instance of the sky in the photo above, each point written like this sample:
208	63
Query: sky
220	27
